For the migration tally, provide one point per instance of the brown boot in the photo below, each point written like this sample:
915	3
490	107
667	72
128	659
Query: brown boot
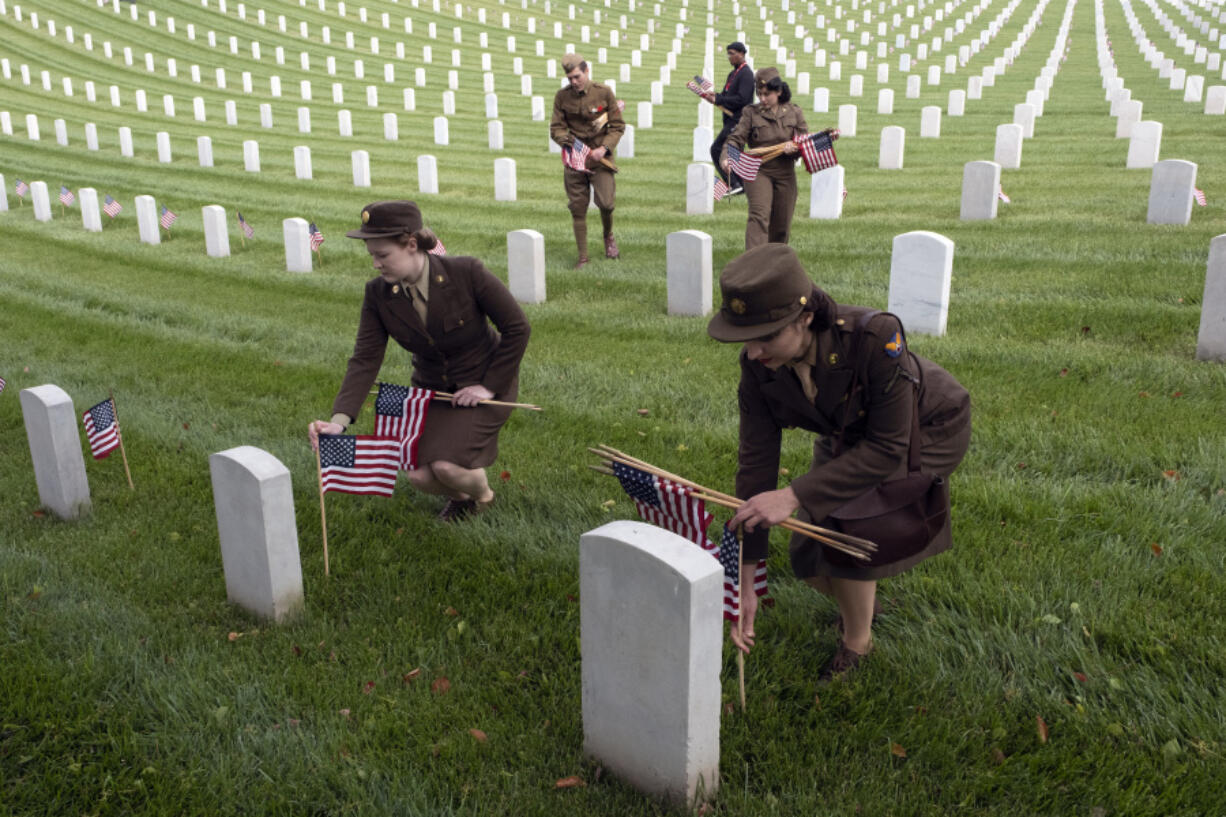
581	263
457	509
610	247
844	661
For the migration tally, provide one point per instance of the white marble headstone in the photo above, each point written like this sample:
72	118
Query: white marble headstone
526	266
1211	340
921	271
893	141
55	449
1170	192
980	190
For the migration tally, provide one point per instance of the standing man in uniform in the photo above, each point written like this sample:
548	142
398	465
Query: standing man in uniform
737	93
588	112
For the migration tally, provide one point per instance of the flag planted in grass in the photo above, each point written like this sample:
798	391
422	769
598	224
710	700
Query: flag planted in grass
66	196
2	385
363	464
400	413
1003	196
21	189
247	229
1199	195
168	218
817	150
729	555
102	429
111	207
317	238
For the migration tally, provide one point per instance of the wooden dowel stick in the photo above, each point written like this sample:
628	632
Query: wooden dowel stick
119	434
442	395
323	519
797	526
740	616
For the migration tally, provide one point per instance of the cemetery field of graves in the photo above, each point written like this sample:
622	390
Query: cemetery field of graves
1065	657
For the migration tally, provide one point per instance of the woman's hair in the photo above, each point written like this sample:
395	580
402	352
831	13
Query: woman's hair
777	84
426	239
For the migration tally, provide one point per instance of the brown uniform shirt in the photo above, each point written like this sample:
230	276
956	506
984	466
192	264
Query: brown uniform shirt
590	115
456	348
759	126
878	417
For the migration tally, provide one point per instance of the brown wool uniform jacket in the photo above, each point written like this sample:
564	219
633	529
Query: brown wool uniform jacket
458	347
758	127
591	117
878	418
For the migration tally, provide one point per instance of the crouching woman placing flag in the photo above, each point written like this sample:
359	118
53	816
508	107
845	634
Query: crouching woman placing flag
467	336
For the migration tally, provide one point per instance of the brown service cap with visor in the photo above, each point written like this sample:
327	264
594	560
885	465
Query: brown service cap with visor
763	291
765	75
388	219
570	62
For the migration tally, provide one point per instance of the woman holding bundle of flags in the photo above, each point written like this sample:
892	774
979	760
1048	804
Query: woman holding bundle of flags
467	336
887	419
770	187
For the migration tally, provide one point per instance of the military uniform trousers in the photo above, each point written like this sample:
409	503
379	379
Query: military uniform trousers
578	184
772	200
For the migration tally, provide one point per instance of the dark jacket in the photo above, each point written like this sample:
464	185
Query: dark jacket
737	93
878	416
458	347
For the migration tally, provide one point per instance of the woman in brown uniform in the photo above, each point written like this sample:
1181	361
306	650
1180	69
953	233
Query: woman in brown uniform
798	363
772	195
440	309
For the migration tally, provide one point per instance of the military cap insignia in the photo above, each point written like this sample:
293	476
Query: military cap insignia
895	346
438	279
737	306
832	359
395	288
365	216
803	300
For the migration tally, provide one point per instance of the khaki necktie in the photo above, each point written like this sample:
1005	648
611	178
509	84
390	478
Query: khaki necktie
804	373
419	303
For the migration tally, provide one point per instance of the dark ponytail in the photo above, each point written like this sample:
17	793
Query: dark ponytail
777	84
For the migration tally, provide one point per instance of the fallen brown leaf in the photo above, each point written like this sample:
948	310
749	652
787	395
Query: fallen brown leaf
571	598
411	675
504	476
440	685
1041	725
998	757
1142	394
368	688
644	412
451	611
1177	394
1064	372
1085	330
297	650
572	782
897	751
1156	548
1080	676
39	514
235	636
186	426
1172	476
479	735
344	713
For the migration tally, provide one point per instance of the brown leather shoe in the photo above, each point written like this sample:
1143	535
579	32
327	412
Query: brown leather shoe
457	509
581	263
610	248
844	661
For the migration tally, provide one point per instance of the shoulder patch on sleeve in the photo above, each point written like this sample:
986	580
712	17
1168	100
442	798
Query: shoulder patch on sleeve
894	346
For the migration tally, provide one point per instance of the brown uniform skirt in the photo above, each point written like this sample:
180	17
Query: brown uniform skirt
938	456
467	437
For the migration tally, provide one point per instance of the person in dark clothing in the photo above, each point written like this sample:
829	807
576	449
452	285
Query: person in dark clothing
737	93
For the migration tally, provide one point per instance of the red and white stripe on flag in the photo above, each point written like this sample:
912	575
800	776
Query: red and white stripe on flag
575	156
732	596
400	413
102	429
358	464
817	150
678	512
1199	195
438	248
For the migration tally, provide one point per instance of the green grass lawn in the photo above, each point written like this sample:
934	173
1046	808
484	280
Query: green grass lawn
1084	588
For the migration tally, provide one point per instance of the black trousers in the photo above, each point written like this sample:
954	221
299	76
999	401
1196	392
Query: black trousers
717	148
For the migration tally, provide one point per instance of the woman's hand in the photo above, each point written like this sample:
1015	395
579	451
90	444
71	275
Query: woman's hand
766	509
790	147
709	98
724	164
743	638
322	427
470	396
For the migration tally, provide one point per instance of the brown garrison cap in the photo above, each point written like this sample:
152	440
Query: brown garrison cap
763	290
385	219
766	74
570	62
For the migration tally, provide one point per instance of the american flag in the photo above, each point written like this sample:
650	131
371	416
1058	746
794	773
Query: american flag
721	189
700	85
317	238
21	188
1003	196
728	553
111	207
248	230
663	502
400	413
742	164
438	248
1199	195
575	156
358	465
817	150
66	196
101	428
168	217
2	384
